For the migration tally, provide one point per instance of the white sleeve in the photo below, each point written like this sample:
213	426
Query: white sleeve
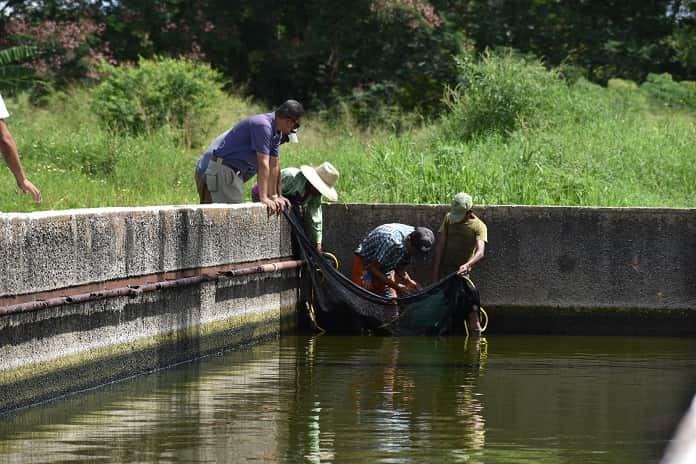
3	109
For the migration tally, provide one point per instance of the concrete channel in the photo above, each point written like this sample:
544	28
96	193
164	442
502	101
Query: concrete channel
97	295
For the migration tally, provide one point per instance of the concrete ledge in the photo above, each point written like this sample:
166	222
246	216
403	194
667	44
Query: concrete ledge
593	321
57	249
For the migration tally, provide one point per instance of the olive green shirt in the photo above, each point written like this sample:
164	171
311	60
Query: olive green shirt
461	241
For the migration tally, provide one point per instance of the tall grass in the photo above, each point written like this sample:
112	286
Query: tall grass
584	145
594	147
78	163
579	144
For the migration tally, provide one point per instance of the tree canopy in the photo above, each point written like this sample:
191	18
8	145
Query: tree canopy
366	52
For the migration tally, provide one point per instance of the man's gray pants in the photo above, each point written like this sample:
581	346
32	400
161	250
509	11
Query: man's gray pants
224	183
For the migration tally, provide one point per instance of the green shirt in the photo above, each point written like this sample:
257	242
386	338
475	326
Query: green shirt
294	187
461	241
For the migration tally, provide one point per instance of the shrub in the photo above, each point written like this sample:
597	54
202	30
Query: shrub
372	108
500	93
623	84
163	92
661	88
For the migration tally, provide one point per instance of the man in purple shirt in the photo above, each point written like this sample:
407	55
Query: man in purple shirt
249	148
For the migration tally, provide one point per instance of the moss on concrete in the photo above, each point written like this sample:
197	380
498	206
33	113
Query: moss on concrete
35	383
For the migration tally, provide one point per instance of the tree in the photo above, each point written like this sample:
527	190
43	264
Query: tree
606	38
14	72
398	51
683	38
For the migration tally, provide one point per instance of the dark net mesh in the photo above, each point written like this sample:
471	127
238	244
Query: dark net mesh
341	306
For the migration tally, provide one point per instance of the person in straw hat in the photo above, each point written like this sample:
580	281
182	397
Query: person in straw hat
304	188
461	243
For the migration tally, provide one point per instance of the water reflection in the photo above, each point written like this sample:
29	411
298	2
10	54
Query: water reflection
193	413
388	400
383	400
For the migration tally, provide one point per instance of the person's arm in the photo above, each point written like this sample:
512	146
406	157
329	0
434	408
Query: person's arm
314	220
264	177
374	269
274	188
407	284
400	284
8	147
273	177
437	255
478	254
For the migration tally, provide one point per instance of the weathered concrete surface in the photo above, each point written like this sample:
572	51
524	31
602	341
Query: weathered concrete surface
52	351
563	269
57	249
49	352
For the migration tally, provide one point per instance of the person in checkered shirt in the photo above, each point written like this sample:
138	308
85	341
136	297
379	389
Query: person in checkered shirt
379	262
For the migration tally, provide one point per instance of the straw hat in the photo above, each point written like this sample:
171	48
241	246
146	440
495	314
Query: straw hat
323	178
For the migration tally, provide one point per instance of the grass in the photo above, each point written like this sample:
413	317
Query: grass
603	147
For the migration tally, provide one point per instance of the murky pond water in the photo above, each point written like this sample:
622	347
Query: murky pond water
369	399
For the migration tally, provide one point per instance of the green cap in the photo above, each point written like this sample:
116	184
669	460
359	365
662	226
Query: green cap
461	204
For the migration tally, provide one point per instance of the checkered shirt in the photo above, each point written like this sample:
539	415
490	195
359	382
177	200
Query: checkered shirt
386	244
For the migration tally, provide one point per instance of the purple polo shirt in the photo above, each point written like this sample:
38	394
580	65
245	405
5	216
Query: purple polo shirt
239	145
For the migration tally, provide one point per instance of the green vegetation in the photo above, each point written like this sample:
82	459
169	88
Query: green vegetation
366	54
545	142
13	75
501	93
164	92
404	95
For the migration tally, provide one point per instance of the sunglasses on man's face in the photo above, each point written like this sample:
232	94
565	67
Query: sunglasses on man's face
295	123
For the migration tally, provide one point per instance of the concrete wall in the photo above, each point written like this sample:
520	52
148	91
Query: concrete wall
563	269
50	351
57	249
547	270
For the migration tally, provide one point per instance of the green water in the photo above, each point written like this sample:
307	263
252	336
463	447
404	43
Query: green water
509	399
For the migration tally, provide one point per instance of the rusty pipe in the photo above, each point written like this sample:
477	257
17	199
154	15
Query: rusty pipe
133	291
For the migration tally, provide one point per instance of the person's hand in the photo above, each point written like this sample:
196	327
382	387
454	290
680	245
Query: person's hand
403	289
270	203
464	269
282	203
319	250
27	187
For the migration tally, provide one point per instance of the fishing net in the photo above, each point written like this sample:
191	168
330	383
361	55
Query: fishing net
341	306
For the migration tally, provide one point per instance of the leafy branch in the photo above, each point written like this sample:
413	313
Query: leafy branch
14	74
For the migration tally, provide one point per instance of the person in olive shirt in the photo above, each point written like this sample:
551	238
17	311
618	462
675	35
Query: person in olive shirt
304	188
461	243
